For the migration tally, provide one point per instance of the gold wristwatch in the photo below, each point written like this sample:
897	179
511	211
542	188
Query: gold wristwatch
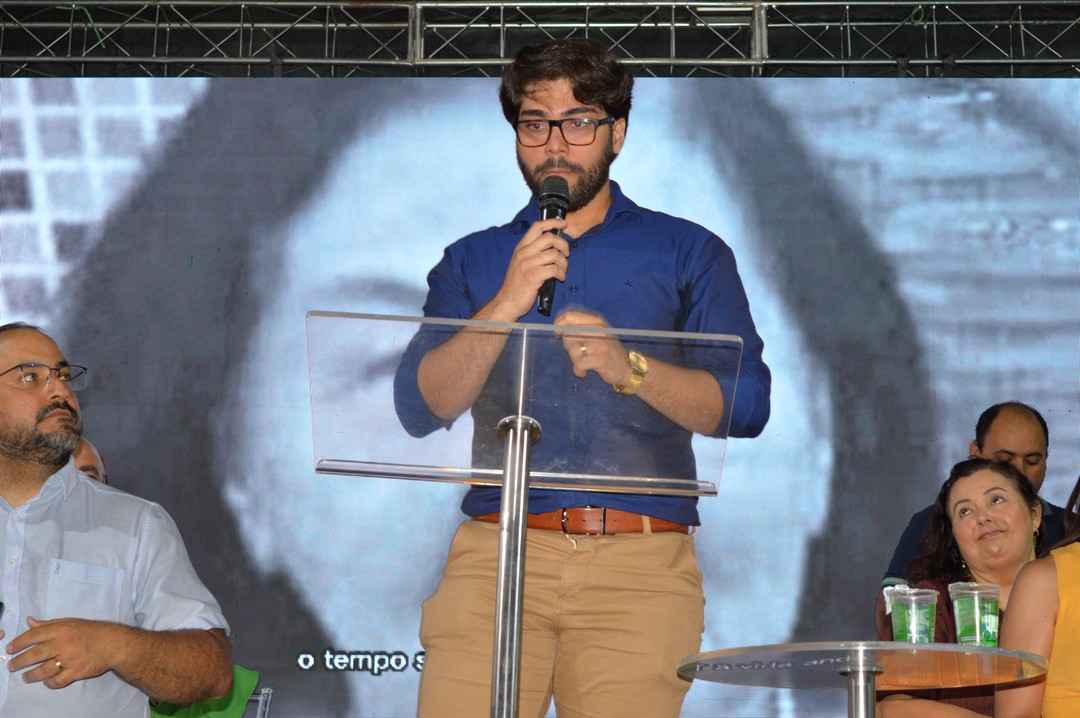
640	367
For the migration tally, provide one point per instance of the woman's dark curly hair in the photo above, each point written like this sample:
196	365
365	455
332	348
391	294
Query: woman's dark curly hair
939	556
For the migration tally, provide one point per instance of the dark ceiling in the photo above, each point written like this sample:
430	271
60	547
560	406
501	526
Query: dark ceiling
283	38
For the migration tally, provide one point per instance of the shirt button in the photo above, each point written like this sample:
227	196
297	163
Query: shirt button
573	244
16	515
12	561
573	287
574	387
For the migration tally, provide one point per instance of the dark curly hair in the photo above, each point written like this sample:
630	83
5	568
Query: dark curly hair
596	76
939	556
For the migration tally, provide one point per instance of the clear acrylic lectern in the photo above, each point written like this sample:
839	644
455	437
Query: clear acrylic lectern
534	425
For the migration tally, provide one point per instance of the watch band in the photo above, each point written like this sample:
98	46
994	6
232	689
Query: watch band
639	366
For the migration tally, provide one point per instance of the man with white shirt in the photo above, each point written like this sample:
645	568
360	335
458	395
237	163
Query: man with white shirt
101	606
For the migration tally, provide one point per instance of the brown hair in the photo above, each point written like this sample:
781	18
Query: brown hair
596	76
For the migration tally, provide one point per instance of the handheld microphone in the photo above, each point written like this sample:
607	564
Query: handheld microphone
554	201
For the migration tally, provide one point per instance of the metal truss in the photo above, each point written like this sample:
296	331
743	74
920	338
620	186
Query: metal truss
281	38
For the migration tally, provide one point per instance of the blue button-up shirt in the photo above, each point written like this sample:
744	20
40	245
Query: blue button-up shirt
639	269
81	549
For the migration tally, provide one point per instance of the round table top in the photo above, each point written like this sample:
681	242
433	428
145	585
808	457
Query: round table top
897	666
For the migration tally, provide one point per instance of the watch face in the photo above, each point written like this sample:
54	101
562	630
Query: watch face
638	363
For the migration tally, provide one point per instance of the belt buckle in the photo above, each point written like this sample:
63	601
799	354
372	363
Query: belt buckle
603	522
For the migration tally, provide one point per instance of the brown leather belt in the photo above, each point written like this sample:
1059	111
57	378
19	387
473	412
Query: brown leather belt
594	520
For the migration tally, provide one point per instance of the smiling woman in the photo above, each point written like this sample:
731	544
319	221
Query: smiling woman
984	528
993	525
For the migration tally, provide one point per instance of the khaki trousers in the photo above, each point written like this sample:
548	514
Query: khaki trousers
606	621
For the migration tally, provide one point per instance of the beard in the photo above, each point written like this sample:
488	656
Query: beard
48	448
590	180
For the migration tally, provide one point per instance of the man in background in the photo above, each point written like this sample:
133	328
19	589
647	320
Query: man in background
101	606
88	460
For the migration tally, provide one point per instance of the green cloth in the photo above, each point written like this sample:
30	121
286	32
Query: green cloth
231	705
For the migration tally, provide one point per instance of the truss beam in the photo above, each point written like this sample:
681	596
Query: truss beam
284	38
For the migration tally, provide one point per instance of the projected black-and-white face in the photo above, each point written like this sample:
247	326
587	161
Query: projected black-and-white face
850	242
366	552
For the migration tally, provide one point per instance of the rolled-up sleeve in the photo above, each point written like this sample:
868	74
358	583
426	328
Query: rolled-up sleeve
448	298
718	305
167	594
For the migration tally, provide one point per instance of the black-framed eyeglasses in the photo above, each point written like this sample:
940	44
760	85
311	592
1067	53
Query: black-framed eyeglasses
32	376
575	130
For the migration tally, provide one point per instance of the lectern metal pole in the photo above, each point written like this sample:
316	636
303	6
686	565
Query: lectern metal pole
519	433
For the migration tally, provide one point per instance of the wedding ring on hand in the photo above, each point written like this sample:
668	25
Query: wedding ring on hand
59	665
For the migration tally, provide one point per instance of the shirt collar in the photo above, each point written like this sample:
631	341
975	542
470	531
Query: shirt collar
63	480
59	484
620	205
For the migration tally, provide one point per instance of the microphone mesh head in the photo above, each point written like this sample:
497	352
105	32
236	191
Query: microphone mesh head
554	191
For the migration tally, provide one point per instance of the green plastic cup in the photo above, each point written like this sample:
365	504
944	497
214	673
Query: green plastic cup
975	606
913	612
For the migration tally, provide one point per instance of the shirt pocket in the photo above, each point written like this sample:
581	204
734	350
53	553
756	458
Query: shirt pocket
80	590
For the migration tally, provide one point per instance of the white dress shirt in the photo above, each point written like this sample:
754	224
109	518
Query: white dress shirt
81	549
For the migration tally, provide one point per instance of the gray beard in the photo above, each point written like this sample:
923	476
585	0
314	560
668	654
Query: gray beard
51	448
